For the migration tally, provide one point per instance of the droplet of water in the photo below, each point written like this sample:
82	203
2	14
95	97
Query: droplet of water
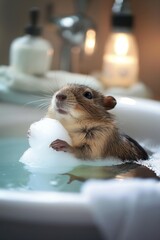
54	183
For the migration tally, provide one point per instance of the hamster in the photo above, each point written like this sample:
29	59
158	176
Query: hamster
84	113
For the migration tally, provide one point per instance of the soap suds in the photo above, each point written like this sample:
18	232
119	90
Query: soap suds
42	158
153	162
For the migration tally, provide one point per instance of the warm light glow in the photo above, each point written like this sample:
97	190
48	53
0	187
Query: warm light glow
90	42
121	45
120	60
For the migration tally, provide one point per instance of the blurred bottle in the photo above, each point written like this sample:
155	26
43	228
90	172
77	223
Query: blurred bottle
31	54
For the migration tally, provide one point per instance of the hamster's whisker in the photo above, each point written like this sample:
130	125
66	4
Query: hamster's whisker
43	106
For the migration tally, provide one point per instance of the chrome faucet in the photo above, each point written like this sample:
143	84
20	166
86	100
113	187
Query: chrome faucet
72	29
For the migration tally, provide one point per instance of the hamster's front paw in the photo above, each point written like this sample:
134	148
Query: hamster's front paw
60	145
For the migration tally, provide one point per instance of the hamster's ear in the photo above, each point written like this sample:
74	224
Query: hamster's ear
109	102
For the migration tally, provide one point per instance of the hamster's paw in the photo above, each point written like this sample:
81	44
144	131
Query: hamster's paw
60	145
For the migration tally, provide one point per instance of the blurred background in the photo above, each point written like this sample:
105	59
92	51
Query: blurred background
14	16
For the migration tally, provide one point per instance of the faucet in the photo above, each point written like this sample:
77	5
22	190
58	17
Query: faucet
72	29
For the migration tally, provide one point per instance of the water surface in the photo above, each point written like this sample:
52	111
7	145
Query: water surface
15	176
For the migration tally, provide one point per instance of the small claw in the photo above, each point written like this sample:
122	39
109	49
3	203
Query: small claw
60	145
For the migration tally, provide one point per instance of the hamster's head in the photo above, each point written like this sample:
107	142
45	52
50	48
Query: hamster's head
79	101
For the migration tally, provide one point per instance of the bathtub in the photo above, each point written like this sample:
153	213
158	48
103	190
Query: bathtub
54	215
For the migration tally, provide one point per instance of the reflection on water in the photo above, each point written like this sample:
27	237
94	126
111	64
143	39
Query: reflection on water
14	175
127	170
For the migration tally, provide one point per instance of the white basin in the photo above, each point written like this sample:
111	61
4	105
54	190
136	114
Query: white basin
48	215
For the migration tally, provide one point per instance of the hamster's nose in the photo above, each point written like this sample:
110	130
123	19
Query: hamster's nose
61	97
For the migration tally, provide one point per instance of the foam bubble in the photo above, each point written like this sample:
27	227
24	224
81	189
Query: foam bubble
153	162
43	132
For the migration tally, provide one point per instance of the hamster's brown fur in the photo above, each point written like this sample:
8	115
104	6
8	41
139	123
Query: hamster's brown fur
83	111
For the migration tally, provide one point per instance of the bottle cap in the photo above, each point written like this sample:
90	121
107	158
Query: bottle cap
122	16
33	29
122	20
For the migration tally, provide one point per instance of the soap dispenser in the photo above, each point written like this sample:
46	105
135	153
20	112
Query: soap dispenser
31	54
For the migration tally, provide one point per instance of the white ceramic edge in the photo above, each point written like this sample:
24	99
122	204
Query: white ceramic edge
59	208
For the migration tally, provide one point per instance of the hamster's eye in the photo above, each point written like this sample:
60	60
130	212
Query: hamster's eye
88	95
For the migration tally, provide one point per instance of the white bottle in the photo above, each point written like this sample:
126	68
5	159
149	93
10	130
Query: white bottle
31	54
